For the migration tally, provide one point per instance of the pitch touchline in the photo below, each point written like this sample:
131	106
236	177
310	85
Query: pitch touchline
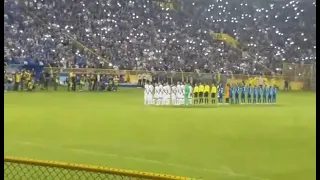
224	169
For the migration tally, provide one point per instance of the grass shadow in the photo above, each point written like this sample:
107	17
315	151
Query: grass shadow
218	106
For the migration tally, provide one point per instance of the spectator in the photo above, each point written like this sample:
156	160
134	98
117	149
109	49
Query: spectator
141	34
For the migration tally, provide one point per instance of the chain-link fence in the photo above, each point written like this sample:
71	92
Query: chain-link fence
297	71
27	169
300	73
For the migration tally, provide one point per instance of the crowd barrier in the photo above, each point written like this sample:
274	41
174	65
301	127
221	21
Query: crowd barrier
30	169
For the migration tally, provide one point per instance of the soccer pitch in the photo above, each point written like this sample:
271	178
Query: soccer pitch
244	142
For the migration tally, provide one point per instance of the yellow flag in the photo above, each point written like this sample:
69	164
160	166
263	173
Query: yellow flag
226	38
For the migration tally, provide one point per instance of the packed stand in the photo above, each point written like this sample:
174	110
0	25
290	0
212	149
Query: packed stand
131	34
272	32
141	35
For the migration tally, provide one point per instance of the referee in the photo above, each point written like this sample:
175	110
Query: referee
213	93
206	93
195	94
201	90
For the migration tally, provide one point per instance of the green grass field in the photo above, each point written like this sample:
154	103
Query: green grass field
212	143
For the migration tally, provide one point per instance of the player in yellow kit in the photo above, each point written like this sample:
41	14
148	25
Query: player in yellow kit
201	90
195	94
206	93
213	93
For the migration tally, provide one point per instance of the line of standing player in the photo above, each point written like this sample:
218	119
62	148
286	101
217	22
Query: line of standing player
234	94
164	94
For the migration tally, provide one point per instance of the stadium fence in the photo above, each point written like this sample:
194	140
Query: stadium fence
299	77
305	73
30	169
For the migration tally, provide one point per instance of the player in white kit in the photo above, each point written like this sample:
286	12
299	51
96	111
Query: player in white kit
164	94
182	93
156	94
146	87
174	94
178	93
150	94
167	94
160	97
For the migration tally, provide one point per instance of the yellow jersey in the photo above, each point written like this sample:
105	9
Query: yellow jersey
214	89
196	89
28	76
116	81
206	88
201	88
17	78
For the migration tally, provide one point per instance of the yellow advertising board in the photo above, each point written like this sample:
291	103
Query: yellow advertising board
296	85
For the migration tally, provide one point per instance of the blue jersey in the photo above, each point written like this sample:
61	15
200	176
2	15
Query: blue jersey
220	91
255	91
231	91
270	91
259	89
265	91
249	90
243	90
237	89
274	91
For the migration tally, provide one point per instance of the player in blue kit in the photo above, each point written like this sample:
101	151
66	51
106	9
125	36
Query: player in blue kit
255	94
237	91
259	94
231	94
270	94
274	94
249	94
243	94
265	94
220	93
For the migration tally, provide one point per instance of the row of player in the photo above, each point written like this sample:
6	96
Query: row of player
184	93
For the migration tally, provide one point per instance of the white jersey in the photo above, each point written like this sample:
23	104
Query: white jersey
178	89
174	90
164	90
150	89
146	89
156	90
160	89
168	89
182	89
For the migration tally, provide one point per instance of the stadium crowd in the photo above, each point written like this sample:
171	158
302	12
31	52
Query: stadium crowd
168	36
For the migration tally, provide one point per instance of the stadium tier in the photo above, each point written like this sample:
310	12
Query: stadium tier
212	90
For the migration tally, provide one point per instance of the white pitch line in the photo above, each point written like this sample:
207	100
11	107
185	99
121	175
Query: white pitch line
82	151
224	170
31	144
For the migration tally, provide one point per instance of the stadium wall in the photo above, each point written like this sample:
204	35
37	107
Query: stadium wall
300	77
123	83
21	168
